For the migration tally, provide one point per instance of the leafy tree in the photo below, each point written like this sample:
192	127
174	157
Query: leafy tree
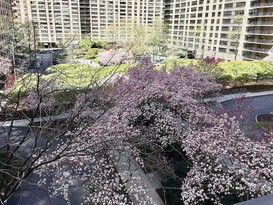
138	38
269	57
17	40
235	35
86	43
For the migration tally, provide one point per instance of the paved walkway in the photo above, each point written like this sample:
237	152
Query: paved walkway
86	62
25	122
247	94
264	200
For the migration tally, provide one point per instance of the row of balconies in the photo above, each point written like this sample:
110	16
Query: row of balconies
262	41
252	57
266	4
261	23
261	14
251	48
270	32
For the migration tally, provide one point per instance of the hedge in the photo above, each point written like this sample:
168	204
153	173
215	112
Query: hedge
246	71
237	71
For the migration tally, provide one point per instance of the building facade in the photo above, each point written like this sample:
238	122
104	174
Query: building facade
114	19
228	29
55	21
5	10
5	7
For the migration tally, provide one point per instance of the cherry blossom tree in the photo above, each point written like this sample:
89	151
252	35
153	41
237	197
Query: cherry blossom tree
225	162
115	128
113	57
135	119
6	75
5	65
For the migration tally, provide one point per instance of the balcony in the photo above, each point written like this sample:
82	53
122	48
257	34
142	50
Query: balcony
260	41
259	32
265	23
251	57
261	14
262	4
255	49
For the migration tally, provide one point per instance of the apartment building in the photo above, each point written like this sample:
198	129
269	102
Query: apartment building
5	7
5	10
228	29
259	38
54	21
113	19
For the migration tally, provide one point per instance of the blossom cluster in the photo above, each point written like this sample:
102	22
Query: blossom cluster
113	57
5	65
212	60
225	162
137	117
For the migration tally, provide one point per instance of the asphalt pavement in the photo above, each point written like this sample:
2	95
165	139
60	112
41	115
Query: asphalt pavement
261	104
46	60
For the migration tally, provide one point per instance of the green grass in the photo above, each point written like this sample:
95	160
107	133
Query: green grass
78	76
70	76
96	60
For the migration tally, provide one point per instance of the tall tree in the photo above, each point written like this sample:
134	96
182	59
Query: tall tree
18	40
235	35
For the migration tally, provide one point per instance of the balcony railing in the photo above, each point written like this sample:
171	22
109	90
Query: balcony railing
260	32
261	23
264	50
253	57
262	4
259	41
261	14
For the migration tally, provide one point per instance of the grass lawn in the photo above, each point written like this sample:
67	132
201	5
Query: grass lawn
77	76
70	76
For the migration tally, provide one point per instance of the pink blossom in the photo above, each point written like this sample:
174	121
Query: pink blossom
112	57
5	65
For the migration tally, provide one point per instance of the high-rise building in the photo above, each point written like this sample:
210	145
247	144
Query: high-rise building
5	7
259	33
5	10
228	29
114	18
54	20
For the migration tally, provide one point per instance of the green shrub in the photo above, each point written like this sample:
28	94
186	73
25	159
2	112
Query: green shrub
168	63
96	60
245	71
92	53
68	76
78	53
